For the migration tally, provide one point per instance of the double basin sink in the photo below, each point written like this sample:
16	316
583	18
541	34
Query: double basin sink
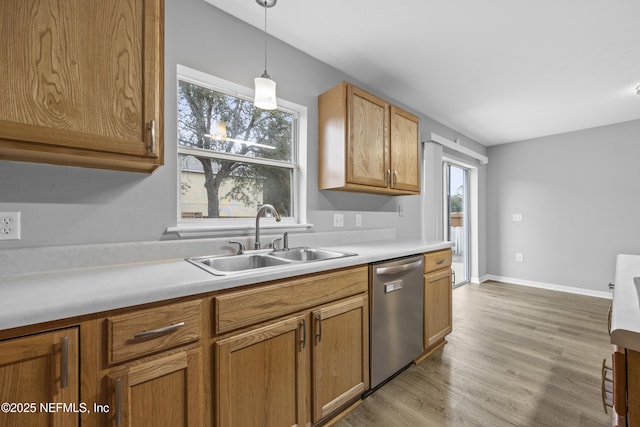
249	261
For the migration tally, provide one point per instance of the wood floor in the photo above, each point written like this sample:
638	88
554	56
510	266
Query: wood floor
517	356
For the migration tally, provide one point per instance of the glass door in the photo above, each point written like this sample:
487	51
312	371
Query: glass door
457	219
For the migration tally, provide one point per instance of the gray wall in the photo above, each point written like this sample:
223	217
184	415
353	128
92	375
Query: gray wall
578	196
69	205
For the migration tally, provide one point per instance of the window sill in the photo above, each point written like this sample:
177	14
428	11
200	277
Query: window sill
204	230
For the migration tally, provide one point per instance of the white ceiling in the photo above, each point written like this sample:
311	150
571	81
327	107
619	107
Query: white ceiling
495	70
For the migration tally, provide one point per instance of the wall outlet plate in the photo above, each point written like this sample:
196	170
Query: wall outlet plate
9	225
519	257
338	220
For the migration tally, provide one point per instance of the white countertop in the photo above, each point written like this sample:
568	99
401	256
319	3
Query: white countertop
28	299
625	315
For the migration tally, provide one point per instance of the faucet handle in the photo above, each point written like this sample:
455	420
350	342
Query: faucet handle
272	244
240	246
285	239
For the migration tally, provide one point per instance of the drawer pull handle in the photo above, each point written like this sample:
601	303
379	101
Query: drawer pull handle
609	318
64	363
156	332
440	261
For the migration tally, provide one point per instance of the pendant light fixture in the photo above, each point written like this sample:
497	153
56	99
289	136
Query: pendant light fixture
265	93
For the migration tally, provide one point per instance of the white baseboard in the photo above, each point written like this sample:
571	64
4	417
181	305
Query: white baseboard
549	286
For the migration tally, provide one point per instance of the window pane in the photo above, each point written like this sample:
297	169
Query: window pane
214	188
223	123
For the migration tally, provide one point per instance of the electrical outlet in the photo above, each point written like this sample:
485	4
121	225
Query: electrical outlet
400	210
9	225
519	257
358	220
516	217
338	220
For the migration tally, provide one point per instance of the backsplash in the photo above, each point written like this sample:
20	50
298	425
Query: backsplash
52	258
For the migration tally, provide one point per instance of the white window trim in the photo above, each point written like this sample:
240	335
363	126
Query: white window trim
200	227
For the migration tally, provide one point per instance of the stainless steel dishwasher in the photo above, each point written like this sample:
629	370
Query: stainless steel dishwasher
396	315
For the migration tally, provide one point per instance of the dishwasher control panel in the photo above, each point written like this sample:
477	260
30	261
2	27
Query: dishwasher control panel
393	286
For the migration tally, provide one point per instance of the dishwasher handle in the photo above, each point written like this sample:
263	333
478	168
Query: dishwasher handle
399	268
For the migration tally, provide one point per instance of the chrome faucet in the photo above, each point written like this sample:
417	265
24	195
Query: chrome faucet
263	208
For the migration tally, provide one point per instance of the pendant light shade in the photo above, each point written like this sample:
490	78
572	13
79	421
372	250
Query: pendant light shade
265	97
265	88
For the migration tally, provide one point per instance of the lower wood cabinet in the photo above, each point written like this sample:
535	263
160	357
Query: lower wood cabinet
621	387
284	353
297	369
340	355
262	375
163	392
153	373
39	380
633	388
437	298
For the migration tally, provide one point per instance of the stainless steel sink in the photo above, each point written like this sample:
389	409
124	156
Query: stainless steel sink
309	254
229	264
222	265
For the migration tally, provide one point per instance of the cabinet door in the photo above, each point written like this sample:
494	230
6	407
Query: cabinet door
437	307
82	82
405	165
368	142
262	376
164	392
340	355
40	370
633	388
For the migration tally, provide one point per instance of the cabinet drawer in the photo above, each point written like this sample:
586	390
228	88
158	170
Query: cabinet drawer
143	332
243	308
437	260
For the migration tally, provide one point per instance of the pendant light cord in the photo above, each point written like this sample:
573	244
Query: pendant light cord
265	40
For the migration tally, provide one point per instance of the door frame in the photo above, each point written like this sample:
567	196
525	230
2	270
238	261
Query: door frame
472	221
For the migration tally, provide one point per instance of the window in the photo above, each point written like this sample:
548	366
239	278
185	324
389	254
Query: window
234	157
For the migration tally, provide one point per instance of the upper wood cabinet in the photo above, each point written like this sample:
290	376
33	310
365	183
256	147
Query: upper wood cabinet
366	144
82	82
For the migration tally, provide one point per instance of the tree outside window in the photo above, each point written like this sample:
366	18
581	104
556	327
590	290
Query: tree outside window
233	156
